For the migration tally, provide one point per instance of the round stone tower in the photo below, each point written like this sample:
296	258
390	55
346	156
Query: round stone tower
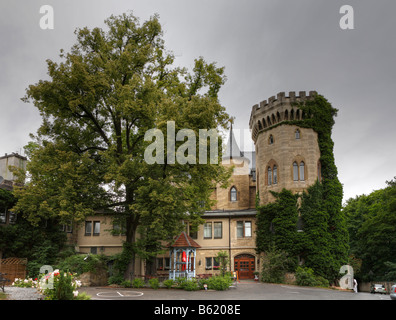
287	156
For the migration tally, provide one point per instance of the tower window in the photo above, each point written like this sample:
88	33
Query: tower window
295	171
271	139
297	134
299	171
272	173
302	165
233	194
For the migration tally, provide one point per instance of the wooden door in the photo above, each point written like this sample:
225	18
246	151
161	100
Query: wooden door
245	265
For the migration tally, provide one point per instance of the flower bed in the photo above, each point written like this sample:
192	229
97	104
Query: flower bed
57	285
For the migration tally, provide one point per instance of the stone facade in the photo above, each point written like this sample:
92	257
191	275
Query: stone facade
287	156
294	161
8	160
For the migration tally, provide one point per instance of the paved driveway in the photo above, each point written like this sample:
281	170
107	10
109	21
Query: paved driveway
245	290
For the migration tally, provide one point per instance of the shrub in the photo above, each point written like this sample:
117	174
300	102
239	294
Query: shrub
116	279
126	284
180	282
80	263
218	282
168	283
275	264
306	277
154	283
137	283
191	285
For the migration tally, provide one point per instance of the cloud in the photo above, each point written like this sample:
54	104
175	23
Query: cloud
266	47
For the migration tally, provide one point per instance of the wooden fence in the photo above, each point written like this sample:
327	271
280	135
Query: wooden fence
13	268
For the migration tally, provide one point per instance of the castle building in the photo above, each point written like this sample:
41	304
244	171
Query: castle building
230	225
285	156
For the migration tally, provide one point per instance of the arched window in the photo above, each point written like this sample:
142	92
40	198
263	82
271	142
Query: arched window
295	171
297	134
233	194
275	173
302	165
269	176
286	115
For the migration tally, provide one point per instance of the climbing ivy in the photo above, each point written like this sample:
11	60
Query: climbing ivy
323	244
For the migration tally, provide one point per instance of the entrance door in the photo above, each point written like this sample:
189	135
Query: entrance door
245	265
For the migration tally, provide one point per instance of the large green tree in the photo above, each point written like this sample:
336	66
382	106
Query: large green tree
40	244
371	221
89	153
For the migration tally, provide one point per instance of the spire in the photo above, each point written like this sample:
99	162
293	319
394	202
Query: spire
232	149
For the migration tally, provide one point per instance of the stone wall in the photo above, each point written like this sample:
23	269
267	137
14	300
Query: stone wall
283	151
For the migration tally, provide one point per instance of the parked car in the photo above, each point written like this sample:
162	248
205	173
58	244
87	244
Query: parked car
378	288
393	292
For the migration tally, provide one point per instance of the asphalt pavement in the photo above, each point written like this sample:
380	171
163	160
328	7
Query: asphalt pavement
244	290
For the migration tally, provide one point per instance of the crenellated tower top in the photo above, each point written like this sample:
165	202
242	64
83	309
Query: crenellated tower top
277	109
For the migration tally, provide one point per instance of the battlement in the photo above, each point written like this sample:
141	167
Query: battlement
277	109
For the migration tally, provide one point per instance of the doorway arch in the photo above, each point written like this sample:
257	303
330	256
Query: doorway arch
245	264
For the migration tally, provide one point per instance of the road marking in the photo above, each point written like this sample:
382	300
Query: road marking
124	294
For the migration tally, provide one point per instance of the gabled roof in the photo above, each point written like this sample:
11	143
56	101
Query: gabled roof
184	241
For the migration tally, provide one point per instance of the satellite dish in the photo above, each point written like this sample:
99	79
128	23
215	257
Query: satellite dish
1	179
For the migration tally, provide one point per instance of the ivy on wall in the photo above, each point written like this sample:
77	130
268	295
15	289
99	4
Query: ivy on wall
323	244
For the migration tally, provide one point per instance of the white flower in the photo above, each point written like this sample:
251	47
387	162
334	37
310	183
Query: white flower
75	293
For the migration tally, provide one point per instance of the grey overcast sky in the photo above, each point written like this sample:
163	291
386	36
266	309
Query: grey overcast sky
266	46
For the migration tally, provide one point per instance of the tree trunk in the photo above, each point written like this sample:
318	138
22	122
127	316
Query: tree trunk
151	266
132	222
131	228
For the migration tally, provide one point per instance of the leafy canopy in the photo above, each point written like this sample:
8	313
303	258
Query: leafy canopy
99	101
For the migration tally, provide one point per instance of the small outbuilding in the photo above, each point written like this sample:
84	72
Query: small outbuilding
182	257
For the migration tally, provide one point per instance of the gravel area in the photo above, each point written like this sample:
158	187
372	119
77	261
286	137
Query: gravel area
16	293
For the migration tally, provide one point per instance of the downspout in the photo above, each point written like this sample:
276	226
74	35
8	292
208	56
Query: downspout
229	239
